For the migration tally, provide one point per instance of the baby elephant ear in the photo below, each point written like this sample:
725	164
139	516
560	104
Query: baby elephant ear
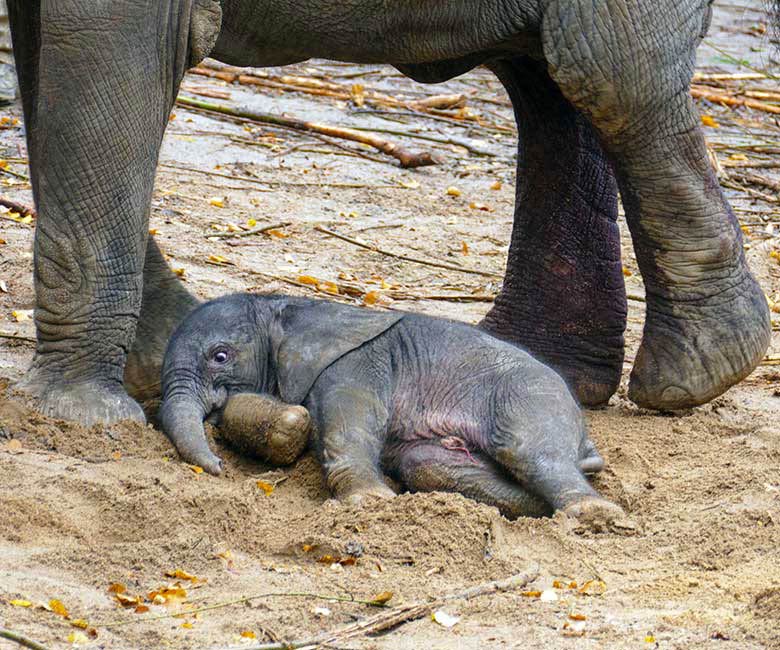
312	335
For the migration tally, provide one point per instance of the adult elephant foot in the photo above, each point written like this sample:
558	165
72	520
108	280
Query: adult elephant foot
707	322
164	305
86	402
563	297
693	351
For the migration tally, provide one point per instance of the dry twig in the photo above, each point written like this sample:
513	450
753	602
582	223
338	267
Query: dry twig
18	207
249	233
700	92
407	159
23	641
407	258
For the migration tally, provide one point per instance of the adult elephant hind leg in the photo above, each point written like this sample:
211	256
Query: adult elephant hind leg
104	83
563	297
430	467
628	66
165	303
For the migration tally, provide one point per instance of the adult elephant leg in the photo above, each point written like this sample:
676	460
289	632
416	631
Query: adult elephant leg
97	92
164	304
627	64
563	296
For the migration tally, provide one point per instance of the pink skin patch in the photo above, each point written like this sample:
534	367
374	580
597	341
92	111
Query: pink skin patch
453	443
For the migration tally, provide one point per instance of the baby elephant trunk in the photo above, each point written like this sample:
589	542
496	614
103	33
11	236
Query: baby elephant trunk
266	428
182	421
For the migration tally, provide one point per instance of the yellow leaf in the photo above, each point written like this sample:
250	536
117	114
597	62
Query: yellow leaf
464	247
196	468
58	608
308	279
739	157
480	206
649	639
531	594
248	634
182	575
328	287
14	446
308	548
25	219
141	609
80	623
370	298
179	272
152	231
593	588
274	232
77	637
2	241
358	93
22	315
453	191
217	201
409	185
251	223
708	120
627	272
21	603
265	487
381	599
116	588
496	186
187	626
217	259
127	601
117	455
577	617
3	164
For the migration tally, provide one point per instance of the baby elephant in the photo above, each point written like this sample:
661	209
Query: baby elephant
436	404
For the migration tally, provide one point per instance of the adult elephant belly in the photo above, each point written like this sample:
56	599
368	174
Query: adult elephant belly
600	94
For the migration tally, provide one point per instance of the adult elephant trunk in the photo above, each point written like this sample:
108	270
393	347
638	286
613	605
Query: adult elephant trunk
182	420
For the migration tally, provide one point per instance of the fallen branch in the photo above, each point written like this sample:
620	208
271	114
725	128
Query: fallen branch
407	159
21	640
771	360
699	92
400	615
407	258
18	207
18	337
249	233
755	179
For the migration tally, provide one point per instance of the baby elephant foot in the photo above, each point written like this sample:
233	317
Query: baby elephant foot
356	485
692	352
86	402
599	515
361	496
264	427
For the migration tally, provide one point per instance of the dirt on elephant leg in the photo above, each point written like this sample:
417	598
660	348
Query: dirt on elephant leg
563	297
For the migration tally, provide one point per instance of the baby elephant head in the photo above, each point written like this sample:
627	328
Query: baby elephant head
275	345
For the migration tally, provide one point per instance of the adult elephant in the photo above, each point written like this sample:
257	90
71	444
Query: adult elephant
600	92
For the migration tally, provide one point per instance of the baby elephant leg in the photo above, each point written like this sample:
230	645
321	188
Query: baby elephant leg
351	430
431	467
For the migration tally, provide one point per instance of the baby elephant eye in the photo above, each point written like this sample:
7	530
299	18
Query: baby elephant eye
220	356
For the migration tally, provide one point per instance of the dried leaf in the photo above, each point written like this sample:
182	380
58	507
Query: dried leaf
278	234
196	468
127	601
77	638
14	446
578	617
358	93
381	599
141	609
496	186
17	602
409	185
217	201
464	247
58	608
22	315
453	191
708	120
308	279
649	639
329	287
152	231
444	619
187	625
251	222
218	260
308	548
480	206
117	588
248	634
370	298
179	272
593	588
627	272
531	594
182	575
80	623
117	455
267	488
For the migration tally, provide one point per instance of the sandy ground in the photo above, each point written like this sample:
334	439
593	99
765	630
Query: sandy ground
81	510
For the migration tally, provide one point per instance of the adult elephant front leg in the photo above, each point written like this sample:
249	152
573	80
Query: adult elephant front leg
97	90
563	296
628	64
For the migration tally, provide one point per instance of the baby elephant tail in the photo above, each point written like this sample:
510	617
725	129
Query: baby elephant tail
590	461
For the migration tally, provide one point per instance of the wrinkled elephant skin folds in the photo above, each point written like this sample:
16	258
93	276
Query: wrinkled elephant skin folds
601	98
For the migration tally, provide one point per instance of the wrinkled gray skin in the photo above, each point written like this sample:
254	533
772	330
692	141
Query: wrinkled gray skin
438	405
600	91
